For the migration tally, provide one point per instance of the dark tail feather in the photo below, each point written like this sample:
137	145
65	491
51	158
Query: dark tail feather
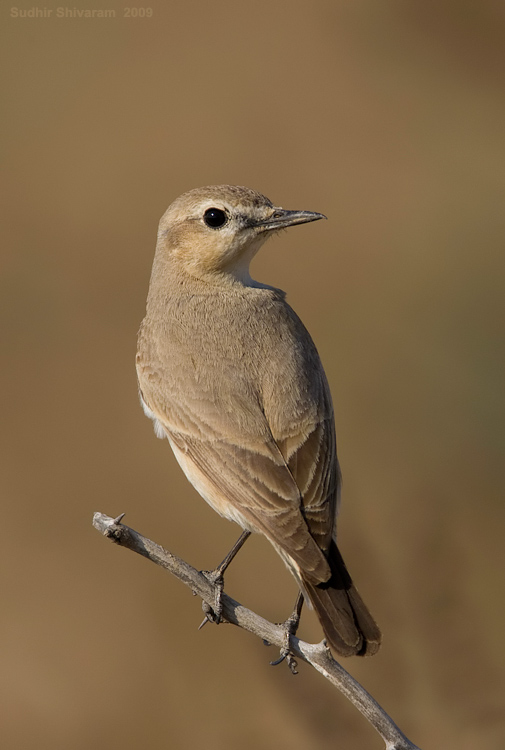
348	625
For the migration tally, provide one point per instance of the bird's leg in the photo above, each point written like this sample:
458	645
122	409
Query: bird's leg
290	627
216	577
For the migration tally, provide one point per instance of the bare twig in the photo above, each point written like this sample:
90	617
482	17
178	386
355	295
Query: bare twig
317	655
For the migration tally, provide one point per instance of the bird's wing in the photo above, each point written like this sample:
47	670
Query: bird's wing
284	488
314	467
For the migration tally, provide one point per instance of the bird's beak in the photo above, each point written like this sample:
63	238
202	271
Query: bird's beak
281	218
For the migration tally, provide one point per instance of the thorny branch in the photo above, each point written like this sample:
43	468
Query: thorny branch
315	654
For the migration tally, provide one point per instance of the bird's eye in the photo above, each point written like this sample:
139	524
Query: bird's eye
215	218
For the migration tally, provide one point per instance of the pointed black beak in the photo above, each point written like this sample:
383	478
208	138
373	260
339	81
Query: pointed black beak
281	218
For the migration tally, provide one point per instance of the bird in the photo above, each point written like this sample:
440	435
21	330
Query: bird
230	375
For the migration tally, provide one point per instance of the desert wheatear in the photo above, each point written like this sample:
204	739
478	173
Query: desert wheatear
229	374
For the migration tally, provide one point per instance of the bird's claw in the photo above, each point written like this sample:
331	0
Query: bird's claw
214	613
290	660
209	615
290	628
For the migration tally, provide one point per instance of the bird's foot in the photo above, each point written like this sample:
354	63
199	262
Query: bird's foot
290	627
216	578
214	613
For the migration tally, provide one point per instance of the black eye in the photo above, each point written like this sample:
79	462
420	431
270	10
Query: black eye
215	218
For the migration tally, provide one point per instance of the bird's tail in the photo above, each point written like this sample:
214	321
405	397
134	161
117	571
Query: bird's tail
348	625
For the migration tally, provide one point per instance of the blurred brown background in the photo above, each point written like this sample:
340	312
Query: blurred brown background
388	117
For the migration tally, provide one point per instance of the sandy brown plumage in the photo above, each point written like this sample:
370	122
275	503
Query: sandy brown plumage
231	376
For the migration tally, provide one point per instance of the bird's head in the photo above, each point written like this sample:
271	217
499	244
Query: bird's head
219	229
